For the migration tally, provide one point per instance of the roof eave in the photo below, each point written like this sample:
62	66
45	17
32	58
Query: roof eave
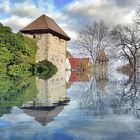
24	31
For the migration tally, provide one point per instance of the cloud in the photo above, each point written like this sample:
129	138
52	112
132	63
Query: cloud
109	10
71	32
16	22
22	13
128	3
21	9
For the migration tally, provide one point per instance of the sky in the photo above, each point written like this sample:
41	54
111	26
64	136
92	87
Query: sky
69	14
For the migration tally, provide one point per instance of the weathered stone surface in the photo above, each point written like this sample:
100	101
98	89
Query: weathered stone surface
50	48
53	49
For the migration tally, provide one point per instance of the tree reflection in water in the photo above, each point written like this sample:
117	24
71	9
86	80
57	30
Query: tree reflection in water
105	97
93	99
128	99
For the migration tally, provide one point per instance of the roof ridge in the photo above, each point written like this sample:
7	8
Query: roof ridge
44	16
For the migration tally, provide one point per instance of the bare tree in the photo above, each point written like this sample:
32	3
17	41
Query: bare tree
92	39
127	42
137	16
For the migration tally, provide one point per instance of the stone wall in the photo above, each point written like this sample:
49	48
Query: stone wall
51	91
51	48
56	51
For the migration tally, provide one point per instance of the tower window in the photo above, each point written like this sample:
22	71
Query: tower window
33	35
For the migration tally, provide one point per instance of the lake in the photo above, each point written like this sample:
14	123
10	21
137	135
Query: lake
86	107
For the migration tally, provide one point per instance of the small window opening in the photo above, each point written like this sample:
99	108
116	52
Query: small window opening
34	36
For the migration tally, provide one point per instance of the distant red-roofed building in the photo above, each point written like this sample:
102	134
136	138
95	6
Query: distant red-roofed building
79	64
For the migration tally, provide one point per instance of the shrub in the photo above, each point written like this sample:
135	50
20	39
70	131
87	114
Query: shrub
21	70
46	69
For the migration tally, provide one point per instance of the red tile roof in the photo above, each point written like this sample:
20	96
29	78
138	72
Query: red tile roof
75	61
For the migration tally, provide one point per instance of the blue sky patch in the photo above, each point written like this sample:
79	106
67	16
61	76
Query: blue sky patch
61	3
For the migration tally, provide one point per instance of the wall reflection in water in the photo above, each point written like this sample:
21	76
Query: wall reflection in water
50	93
50	99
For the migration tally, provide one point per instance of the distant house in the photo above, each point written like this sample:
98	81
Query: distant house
101	62
102	58
78	64
101	65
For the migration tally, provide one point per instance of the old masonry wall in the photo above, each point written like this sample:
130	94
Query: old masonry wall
53	49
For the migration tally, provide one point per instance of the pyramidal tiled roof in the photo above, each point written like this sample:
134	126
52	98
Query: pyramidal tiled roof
102	56
45	24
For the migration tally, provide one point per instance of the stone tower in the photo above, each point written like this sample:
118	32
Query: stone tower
102	65
50	38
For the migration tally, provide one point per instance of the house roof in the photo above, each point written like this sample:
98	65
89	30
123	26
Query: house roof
75	61
45	24
102	56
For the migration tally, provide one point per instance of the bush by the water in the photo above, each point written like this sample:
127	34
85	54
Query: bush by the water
15	49
46	69
18	53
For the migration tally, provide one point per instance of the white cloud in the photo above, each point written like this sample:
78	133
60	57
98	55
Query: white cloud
27	11
108	10
16	22
23	13
70	32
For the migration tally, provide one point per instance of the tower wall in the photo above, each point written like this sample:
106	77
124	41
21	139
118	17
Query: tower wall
51	48
56	51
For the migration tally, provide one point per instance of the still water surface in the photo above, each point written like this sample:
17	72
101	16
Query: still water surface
83	108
